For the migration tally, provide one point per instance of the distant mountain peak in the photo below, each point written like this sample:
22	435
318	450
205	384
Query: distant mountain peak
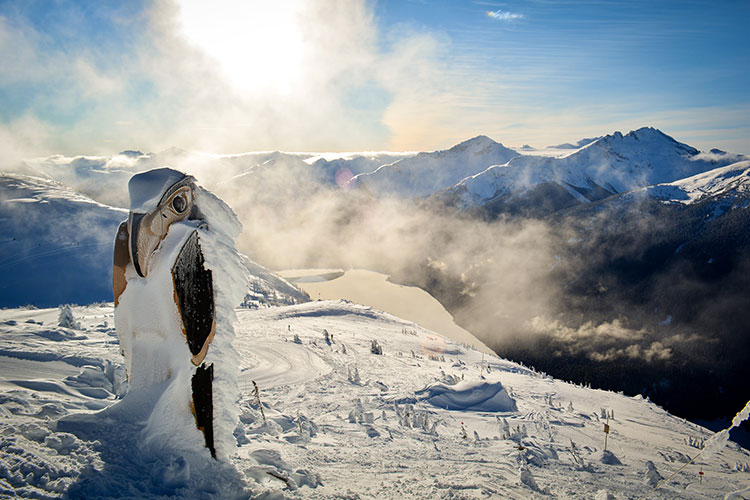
131	153
480	139
427	173
650	137
477	143
577	145
640	133
648	132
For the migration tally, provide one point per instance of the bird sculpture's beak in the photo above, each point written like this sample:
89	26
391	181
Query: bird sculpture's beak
143	242
146	230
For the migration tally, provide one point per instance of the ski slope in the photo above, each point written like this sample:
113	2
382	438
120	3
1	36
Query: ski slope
375	289
341	422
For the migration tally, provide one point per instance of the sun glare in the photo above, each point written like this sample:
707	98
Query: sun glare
257	45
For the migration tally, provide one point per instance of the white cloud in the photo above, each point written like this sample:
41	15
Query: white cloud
501	15
332	86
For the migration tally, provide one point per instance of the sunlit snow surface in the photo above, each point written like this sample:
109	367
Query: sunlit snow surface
341	422
729	181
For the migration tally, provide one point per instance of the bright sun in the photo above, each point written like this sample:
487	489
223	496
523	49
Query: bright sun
258	45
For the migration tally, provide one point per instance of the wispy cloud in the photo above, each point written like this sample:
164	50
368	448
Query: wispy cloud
501	15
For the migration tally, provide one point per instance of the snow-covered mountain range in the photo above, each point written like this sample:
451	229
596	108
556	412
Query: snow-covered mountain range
609	165
476	174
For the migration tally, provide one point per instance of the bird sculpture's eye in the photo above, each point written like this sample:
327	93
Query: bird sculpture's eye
179	204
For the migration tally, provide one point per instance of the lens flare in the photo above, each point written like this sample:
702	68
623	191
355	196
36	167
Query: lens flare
343	176
433	345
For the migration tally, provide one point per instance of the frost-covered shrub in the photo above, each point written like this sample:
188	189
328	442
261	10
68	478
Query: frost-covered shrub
353	376
448	379
66	319
526	478
652	476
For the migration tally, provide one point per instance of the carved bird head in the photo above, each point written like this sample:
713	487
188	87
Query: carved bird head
158	198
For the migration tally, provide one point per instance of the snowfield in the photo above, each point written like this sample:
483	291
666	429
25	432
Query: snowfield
730	182
427	418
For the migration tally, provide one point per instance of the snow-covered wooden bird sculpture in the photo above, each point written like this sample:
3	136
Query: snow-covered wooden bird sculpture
176	280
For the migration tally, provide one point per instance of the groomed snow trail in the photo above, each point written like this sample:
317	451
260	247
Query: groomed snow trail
271	365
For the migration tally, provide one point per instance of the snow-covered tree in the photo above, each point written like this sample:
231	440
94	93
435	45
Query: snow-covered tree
66	319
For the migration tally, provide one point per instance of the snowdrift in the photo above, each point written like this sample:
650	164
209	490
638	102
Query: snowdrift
468	395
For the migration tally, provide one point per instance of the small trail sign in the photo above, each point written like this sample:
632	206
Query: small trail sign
606	432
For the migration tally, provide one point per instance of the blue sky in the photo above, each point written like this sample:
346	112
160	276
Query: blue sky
84	77
660	53
631	60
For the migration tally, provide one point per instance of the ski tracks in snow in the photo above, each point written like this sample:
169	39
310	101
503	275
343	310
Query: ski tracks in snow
271	365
